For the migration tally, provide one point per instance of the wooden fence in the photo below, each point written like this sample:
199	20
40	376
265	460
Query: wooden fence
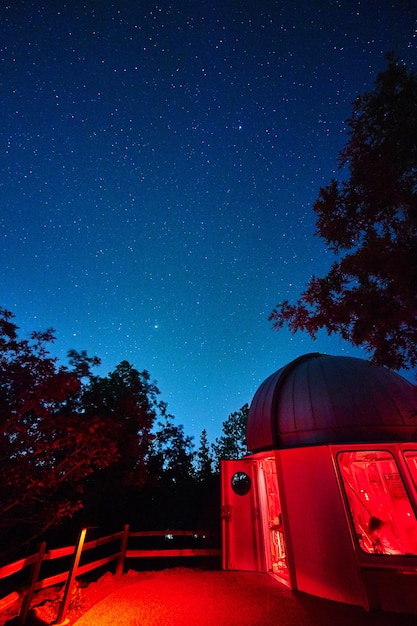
42	556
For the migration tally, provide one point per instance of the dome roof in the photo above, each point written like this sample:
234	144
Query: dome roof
321	399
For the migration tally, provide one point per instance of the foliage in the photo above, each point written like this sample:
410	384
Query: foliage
172	452
127	401
370	222
96	449
204	459
232	444
70	440
46	449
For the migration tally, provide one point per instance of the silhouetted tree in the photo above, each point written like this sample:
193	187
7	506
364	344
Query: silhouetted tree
172	451
101	448
46	448
204	459
168	501
232	444
81	363
127	401
369	221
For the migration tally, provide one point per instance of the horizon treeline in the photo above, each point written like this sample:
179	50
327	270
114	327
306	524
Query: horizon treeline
81	449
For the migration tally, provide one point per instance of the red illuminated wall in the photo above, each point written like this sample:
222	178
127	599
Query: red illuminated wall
319	537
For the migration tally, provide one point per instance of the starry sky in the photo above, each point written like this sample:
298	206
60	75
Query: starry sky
159	162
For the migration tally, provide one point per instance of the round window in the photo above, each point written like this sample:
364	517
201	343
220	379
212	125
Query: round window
241	483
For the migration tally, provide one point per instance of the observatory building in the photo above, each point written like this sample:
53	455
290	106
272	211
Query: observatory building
326	501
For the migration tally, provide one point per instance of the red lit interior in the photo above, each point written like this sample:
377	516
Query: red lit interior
382	514
274	521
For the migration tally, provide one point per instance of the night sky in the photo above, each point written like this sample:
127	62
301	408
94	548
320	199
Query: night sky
159	162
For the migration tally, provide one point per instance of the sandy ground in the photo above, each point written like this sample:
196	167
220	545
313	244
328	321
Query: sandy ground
192	597
186	597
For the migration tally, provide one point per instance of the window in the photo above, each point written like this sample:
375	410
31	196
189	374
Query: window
241	483
411	460
382	514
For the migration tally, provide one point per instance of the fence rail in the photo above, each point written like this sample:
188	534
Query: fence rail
35	562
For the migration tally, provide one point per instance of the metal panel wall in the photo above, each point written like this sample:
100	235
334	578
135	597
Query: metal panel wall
324	558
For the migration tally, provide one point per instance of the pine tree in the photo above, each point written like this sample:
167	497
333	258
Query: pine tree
232	444
204	459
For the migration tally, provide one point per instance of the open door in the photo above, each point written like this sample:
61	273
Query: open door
274	539
241	516
252	528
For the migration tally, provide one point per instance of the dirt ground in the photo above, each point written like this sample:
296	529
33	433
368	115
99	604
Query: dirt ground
192	597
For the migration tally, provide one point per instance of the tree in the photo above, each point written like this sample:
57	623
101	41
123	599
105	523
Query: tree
232	444
47	449
173	452
168	500
127	401
207	494
370	222
204	459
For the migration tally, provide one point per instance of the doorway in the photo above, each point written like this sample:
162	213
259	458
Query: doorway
275	548
253	533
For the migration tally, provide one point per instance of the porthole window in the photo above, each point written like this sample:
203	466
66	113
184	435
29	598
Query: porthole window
241	483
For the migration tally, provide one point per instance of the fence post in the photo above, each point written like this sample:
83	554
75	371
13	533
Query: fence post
36	567
70	580
123	548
